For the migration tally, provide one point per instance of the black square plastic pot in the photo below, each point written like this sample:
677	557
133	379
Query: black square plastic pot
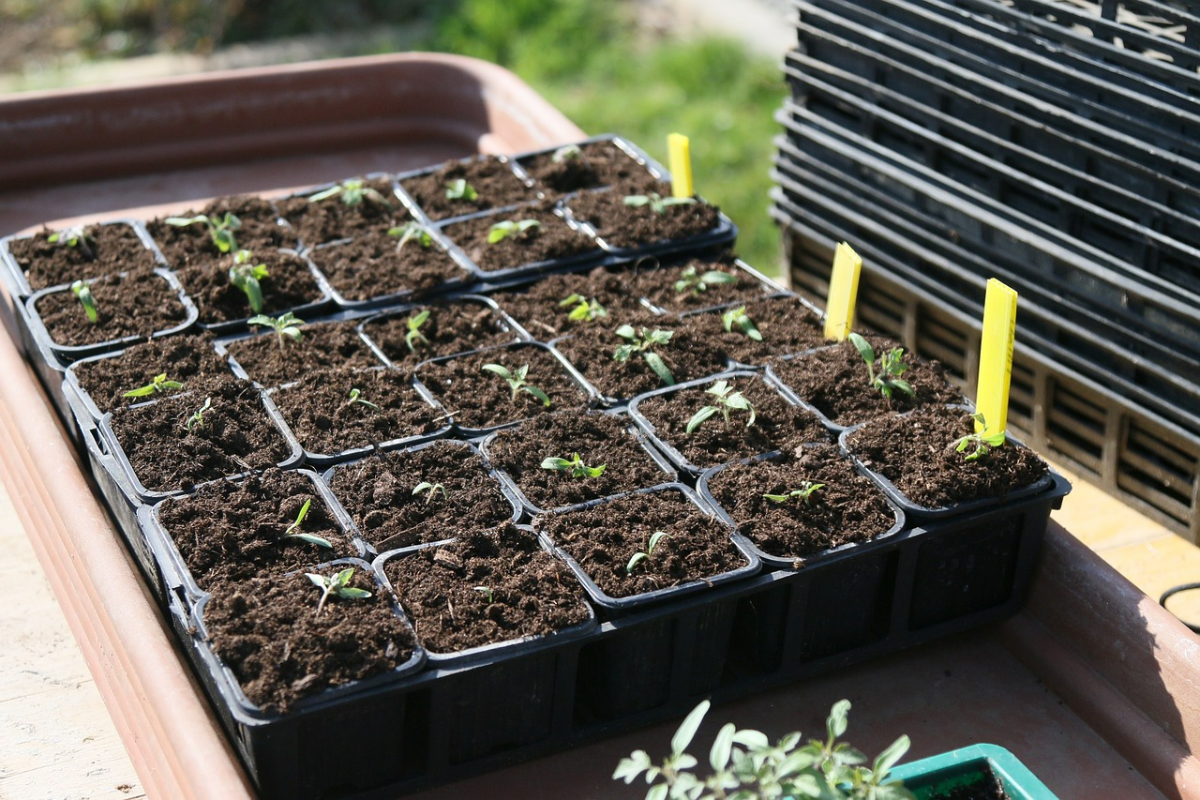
335	359
653	171
299	243
502	320
419	213
316	307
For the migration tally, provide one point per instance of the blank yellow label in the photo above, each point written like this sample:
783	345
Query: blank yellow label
843	292
681	165
995	357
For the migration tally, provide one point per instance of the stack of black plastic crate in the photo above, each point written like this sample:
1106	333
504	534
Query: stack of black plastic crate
1048	143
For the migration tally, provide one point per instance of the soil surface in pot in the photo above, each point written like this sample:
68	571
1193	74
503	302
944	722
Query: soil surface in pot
231	531
370	266
987	788
622	225
846	508
599	439
551	238
114	248
235	436
448	330
605	537
542	310
289	284
596	164
494	182
378	494
777	425
836	382
529	592
188	245
331	219
479	399
180	358
267	631
133	304
917	453
786	325
321	346
327	421
690	287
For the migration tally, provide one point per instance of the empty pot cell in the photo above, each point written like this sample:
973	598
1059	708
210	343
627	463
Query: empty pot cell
272	359
375	266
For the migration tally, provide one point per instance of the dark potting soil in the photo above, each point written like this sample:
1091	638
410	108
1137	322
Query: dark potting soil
235	436
663	285
785	324
598	164
370	266
289	284
478	398
835	381
323	417
331	219
917	453
133	304
231	531
848	508
530	593
267	631
448	330
777	425
321	346
986	788
494	182
116	248
605	537
598	438
621	225
377	492
541	310
185	246
180	358
551	238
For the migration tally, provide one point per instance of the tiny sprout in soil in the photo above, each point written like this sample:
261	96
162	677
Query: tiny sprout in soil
655	540
412	232
891	367
570	152
486	591
429	490
658	204
503	230
339	585
574	466
979	444
643	342
727	402
246	276
584	309
739	318
461	190
304	537
414	335
804	494
221	229
517	382
356	397
286	326
352	192
159	383
77	236
84	293
196	420
696	282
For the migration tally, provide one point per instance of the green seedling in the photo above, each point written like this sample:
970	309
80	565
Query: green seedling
356	397
461	190
574	465
196	420
658	204
727	401
570	152
804	494
486	591
412	232
77	236
293	531
84	293
643	342
220	229
159	383
352	192
503	230
286	326
338	584
977	443
583	308
691	280
655	540
891	366
414	335
246	276
739	318
517	382
429	490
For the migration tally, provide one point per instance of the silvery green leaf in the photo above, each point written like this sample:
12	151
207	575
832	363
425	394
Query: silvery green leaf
718	756
687	729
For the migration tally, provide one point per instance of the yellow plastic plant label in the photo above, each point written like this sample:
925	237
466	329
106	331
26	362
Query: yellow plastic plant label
681	165
995	358
843	293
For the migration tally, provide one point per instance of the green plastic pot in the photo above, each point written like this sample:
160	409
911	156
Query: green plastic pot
932	777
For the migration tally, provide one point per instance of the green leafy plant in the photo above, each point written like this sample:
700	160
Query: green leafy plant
643	342
583	309
429	490
461	190
221	230
656	539
77	236
570	152
293	531
691	280
510	228
486	591
339	585
352	192
804	494
196	420
518	382
246	276
286	326
658	204
727	401
356	397
891	366
414	336
412	232
737	317
83	293
745	765
574	466
159	383
978	444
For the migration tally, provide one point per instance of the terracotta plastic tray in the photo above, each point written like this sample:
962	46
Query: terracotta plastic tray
1086	638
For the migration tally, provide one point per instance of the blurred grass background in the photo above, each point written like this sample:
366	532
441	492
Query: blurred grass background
609	66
